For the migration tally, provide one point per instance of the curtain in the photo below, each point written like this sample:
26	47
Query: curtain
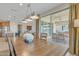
74	31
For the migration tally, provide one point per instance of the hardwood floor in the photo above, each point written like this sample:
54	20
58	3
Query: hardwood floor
4	49
37	48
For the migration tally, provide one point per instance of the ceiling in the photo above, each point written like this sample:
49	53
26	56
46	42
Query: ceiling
60	16
14	10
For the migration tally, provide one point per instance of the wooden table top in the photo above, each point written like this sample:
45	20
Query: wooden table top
37	48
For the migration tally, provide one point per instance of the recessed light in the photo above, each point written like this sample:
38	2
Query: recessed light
21	4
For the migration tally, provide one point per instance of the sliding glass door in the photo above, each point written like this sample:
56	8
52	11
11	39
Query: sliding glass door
60	22
46	25
56	26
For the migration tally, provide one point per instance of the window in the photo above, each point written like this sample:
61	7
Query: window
55	23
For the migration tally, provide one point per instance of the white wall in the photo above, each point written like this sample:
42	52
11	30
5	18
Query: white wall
34	26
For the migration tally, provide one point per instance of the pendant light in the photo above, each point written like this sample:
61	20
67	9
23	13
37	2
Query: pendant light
30	14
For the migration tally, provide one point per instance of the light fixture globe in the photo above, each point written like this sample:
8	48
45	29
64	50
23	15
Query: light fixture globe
24	21
34	17
28	20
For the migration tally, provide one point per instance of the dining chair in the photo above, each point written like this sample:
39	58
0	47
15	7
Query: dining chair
43	36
